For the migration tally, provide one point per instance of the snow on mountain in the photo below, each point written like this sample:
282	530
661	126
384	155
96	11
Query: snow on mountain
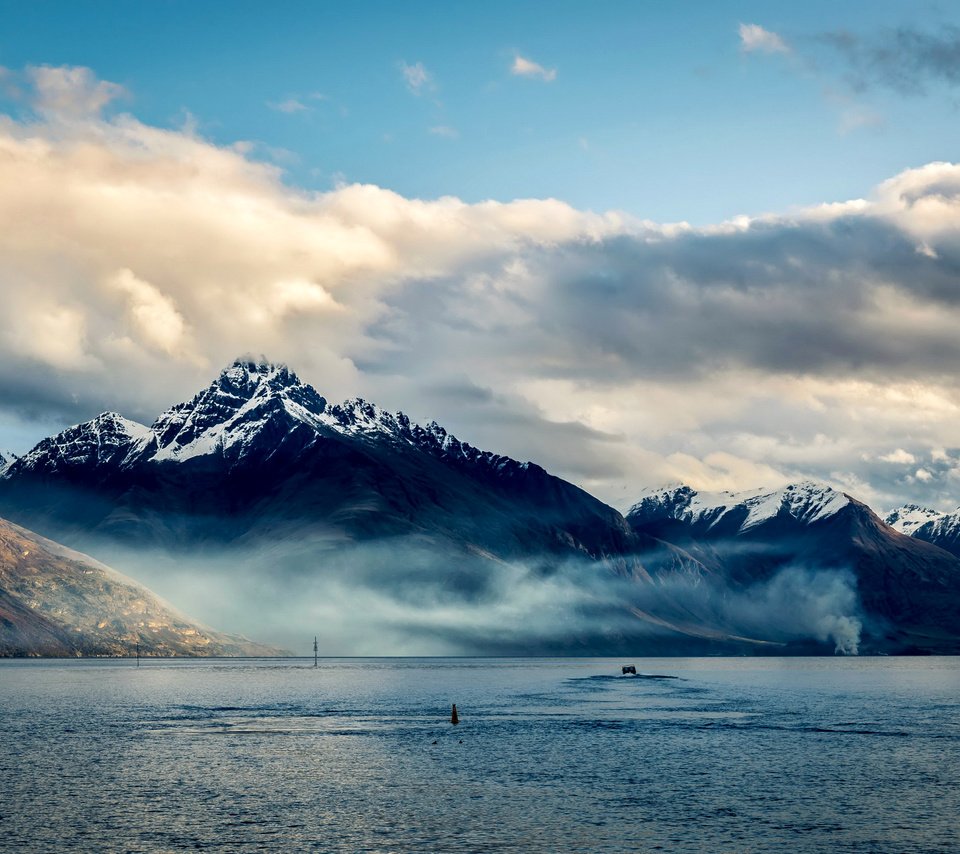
921	523
806	502
909	518
108	439
248	400
227	415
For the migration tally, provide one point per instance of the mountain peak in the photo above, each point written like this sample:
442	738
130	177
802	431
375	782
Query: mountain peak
108	439
228	410
806	501
248	373
912	517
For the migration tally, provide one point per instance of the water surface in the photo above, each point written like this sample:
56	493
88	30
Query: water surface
731	755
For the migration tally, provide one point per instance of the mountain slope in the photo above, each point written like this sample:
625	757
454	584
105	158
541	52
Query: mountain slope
57	602
909	591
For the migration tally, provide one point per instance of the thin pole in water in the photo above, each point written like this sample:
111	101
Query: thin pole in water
314	650
138	653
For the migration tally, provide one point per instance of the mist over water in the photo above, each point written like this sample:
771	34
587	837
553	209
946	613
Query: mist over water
408	597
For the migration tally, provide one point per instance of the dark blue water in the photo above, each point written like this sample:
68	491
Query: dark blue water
734	755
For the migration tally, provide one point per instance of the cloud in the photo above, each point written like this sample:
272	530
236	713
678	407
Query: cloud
755	39
293	104
445	131
416	77
904	59
153	315
289	105
70	91
614	351
899	456
523	67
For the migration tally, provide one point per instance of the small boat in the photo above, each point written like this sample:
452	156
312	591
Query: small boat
628	668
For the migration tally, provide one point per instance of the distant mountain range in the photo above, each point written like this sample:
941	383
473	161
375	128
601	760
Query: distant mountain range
909	591
931	526
57	602
261	461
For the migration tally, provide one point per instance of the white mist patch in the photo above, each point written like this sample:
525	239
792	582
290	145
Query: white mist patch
802	603
412	597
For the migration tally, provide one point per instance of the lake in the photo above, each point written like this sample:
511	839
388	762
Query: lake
729	755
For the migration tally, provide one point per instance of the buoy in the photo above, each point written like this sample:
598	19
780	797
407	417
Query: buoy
454	718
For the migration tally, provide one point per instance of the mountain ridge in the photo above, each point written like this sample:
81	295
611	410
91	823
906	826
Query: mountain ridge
259	464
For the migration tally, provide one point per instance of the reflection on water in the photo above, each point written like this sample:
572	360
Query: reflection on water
797	755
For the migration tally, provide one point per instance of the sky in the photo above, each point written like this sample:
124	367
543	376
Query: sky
639	243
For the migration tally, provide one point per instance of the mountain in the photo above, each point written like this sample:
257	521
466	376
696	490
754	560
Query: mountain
261	456
931	526
259	477
57	602
908	518
282	500
722	514
908	590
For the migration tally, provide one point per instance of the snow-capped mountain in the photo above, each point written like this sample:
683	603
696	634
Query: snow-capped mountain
908	518
260	471
250	409
6	459
737	512
909	590
258	451
57	602
931	526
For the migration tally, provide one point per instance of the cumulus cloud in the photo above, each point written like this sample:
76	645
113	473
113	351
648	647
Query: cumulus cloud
153	314
899	456
416	77
71	91
755	39
523	67
614	351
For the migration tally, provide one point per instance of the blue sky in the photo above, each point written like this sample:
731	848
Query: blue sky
655	108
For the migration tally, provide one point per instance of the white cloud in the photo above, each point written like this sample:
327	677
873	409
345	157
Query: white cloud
70	91
296	103
446	131
523	67
417	78
616	352
899	456
153	315
288	105
754	38
52	335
